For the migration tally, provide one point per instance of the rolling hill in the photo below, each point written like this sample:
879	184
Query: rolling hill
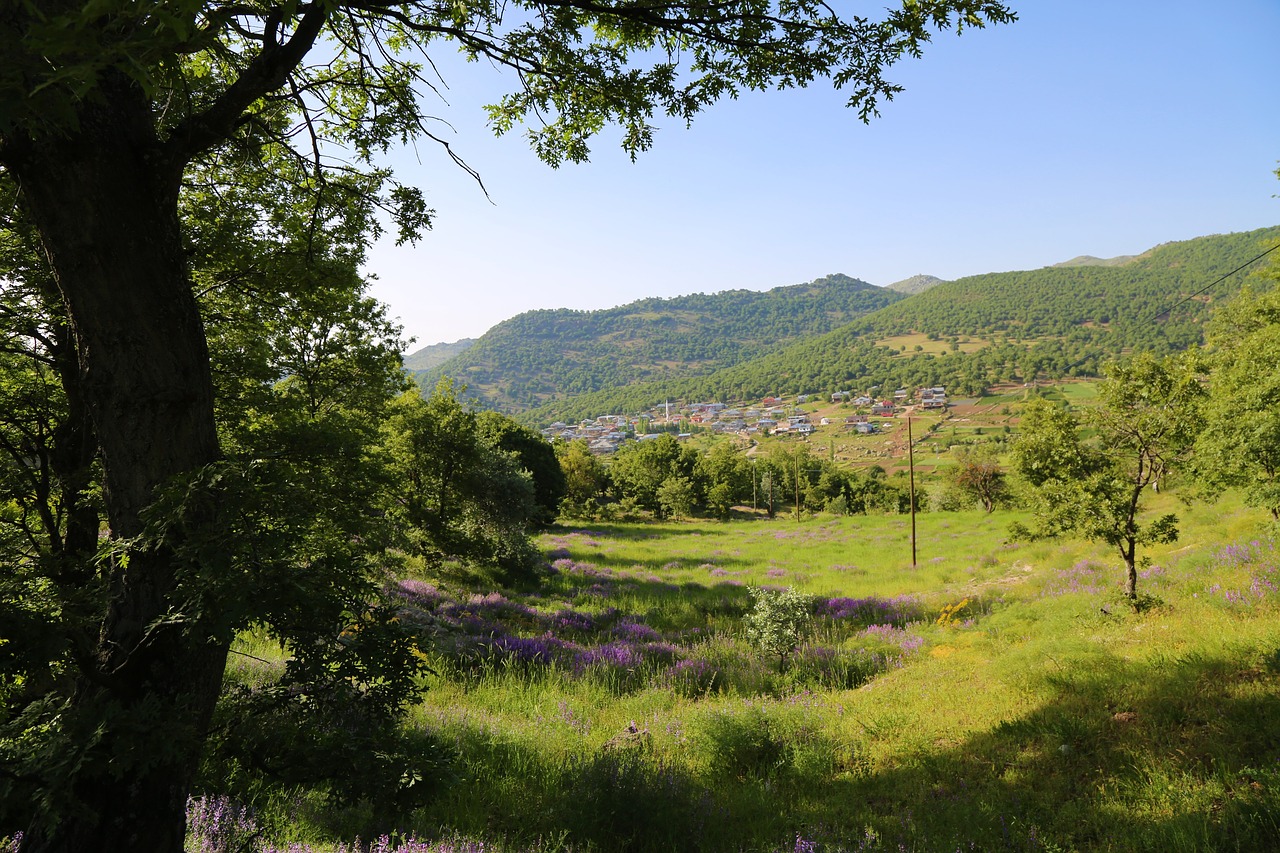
543	356
977	331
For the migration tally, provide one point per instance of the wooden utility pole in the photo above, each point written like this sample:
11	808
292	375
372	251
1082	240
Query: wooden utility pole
911	466
797	485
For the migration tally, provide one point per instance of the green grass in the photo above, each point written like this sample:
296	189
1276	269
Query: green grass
1046	714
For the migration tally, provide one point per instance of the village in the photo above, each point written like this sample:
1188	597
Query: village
800	417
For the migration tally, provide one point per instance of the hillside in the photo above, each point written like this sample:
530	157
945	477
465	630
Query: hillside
541	356
436	354
982	330
1091	261
915	284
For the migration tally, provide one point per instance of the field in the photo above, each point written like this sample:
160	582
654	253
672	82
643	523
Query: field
996	696
921	344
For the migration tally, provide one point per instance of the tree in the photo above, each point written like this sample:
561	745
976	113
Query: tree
779	621
675	497
1240	444
1144	427
457	496
979	476
536	456
109	114
727	472
640	470
301	372
585	477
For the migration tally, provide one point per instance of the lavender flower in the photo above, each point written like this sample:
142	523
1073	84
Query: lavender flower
216	825
871	610
636	632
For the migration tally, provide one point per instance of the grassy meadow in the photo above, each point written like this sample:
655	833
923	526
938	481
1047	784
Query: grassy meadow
996	696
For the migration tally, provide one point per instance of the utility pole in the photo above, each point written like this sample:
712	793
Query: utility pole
911	465
797	485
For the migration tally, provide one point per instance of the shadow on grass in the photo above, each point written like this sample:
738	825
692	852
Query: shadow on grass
1182	755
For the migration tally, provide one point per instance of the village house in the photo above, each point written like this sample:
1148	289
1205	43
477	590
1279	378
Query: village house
933	398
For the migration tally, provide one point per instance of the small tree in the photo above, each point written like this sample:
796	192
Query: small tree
675	497
979	476
1144	427
585	478
779	621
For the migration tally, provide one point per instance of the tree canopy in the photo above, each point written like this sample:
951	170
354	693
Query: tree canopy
160	152
1240	443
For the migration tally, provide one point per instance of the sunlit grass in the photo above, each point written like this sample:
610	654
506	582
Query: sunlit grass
1042	713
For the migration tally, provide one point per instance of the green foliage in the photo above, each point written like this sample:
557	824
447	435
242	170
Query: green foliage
545	355
640	470
534	454
457	496
779	621
585	477
1142	430
1047	447
676	497
1240	444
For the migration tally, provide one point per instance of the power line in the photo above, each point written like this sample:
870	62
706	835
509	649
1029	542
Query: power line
1218	280
1166	312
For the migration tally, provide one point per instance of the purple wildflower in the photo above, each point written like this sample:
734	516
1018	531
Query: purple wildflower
573	620
636	632
217	825
871	610
418	593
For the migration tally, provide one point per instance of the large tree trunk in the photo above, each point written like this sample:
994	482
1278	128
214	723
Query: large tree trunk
106	210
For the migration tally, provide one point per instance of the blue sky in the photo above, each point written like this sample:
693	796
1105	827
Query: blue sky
1087	127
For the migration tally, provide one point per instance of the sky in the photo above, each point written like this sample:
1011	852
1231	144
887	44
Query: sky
1088	127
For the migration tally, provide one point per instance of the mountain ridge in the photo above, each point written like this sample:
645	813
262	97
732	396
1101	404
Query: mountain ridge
981	330
546	354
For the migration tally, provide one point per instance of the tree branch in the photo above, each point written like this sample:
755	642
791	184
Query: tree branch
267	72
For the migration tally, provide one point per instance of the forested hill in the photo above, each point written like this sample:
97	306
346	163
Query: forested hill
1115	305
540	356
974	332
